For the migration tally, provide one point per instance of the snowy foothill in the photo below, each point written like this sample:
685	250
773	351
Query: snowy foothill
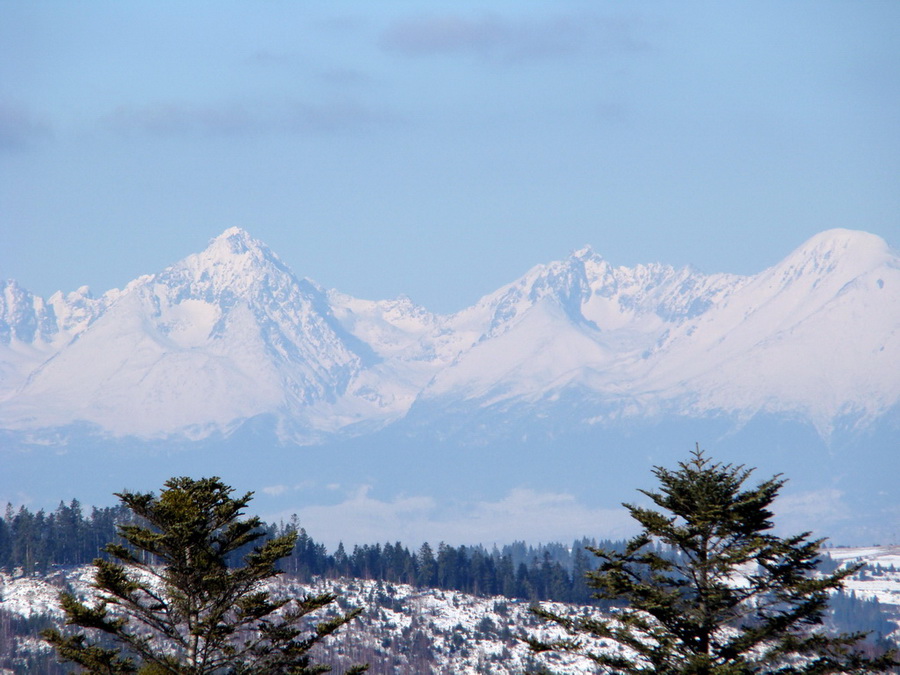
463	633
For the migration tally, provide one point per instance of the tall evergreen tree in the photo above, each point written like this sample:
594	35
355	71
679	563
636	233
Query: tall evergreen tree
171	603
722	596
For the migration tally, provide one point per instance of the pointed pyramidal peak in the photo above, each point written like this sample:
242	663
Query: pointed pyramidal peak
592	267
586	253
236	242
232	263
222	336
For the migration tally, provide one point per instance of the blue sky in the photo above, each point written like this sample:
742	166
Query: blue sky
440	149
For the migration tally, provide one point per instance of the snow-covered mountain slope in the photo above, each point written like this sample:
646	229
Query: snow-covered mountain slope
231	334
222	336
816	337
577	322
32	330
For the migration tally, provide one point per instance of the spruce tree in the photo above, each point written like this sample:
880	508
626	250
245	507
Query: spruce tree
169	602
707	589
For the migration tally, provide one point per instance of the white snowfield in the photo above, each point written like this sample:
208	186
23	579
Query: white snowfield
231	333
468	634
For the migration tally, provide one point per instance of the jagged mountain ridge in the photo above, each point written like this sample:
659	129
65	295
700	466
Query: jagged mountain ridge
231	334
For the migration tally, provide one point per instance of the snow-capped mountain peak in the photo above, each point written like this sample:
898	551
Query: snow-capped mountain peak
236	248
221	336
829	260
234	263
840	244
231	333
586	254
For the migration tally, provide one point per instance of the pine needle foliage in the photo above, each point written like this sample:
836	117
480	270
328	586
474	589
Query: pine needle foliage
707	589
168	603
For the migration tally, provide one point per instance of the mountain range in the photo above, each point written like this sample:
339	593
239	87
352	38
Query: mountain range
231	333
229	343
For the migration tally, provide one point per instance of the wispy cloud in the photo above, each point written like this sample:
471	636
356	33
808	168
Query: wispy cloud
20	128
282	489
267	58
504	39
817	510
344	77
296	117
289	64
336	117
361	518
179	119
537	516
521	515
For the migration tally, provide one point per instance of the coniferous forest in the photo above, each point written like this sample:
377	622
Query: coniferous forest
37	543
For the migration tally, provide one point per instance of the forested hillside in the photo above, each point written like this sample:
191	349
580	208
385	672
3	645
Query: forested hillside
395	583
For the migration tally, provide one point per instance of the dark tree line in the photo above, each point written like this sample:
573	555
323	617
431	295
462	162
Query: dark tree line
36	541
546	572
